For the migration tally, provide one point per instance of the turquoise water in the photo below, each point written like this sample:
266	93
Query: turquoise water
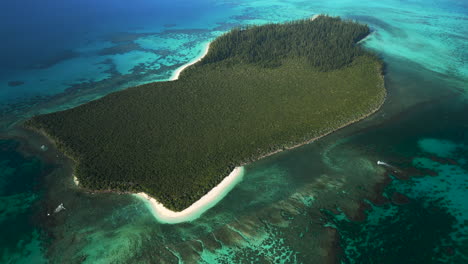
20	179
326	202
422	214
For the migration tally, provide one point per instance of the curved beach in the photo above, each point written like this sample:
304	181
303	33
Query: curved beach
177	72
164	215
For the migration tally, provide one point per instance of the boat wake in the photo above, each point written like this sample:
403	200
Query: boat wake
383	163
393	168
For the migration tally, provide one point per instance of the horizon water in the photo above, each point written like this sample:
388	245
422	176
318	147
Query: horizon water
325	202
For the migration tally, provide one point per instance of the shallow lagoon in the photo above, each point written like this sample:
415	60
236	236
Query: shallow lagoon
323	202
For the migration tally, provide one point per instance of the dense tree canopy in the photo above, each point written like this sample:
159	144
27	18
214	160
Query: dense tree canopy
326	42
259	89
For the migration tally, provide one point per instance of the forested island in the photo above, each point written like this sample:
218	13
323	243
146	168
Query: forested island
260	89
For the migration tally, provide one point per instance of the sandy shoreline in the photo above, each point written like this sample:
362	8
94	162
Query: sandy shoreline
366	38
75	180
315	17
177	72
164	215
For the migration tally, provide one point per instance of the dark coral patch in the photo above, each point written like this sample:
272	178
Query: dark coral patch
120	49
15	83
398	198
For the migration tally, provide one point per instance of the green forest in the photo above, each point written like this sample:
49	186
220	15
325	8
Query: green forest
258	90
326	43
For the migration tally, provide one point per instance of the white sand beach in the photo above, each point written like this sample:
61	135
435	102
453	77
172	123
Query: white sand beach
164	215
75	180
315	17
177	72
366	38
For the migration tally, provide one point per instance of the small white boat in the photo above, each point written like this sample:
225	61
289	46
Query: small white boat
59	208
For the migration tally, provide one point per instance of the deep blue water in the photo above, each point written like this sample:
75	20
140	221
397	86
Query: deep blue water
35	31
298	206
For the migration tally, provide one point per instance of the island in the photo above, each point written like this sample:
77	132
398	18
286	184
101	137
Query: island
258	90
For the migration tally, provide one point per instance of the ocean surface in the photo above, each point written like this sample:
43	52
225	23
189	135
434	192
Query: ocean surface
390	189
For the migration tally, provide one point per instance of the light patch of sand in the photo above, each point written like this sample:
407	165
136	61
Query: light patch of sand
75	180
